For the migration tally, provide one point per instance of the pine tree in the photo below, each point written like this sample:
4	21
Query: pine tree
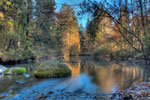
44	11
70	31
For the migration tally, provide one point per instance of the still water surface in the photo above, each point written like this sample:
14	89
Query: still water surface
87	76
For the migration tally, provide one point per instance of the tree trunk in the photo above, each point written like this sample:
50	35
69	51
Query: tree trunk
142	16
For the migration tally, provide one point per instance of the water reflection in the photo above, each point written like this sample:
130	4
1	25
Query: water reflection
87	76
109	77
75	67
8	81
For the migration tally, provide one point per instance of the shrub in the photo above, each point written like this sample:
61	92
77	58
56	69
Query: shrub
99	52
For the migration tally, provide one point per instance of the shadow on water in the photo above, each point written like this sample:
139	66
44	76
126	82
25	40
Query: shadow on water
87	76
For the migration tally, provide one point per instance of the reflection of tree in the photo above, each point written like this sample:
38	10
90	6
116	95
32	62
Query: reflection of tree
107	76
88	68
146	73
74	67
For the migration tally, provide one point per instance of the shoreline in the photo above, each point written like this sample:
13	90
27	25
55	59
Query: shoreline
35	59
138	91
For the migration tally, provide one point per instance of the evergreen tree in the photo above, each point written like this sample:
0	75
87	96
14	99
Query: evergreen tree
44	12
70	31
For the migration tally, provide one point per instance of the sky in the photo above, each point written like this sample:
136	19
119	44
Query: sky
81	19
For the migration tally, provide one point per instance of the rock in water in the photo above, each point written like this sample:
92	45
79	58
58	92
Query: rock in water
20	82
1	71
26	75
2	68
52	69
15	71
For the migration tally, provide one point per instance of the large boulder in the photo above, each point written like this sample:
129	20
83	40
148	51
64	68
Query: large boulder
52	69
2	68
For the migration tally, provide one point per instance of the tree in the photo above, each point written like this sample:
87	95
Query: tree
70	31
43	13
113	13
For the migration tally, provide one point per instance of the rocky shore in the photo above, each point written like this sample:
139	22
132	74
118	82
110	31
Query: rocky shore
139	91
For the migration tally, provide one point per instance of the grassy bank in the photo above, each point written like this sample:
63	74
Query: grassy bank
104	53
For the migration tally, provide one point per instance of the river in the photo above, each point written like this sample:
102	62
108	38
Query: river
89	77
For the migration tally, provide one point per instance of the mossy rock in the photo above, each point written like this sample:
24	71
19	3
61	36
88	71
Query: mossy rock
6	71
15	71
52	69
18	71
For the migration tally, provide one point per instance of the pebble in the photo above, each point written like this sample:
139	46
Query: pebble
26	75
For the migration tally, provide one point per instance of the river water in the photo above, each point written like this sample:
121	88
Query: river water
88	76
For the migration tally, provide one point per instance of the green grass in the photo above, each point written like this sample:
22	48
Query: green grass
99	52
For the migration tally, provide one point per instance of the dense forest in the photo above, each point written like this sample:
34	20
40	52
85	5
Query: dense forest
118	30
34	29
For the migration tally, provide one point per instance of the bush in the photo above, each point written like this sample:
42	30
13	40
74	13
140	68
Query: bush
99	52
122	54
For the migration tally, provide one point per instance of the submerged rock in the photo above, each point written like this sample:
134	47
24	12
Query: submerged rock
52	69
2	68
20	82
26	75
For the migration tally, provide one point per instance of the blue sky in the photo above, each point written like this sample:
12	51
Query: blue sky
81	19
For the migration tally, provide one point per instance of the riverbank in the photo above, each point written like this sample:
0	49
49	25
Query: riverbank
135	61
28	60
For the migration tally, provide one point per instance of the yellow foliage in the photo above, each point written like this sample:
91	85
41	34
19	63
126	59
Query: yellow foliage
10	26
8	2
1	15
